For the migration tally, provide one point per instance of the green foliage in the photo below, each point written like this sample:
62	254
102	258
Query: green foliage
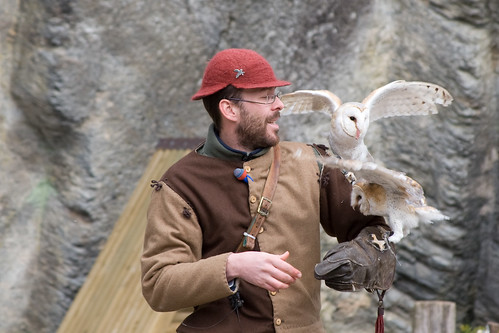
466	328
40	195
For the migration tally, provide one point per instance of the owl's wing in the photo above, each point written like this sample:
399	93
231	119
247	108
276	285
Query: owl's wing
406	98
395	183
305	101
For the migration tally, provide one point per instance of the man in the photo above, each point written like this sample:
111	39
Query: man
204	205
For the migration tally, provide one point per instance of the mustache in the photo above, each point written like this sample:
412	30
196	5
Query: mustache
273	118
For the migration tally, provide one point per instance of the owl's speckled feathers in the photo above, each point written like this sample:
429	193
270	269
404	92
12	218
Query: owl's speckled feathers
388	193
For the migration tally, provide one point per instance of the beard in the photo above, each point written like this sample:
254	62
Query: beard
252	131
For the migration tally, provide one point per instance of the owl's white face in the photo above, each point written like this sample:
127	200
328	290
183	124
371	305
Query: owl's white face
354	119
359	200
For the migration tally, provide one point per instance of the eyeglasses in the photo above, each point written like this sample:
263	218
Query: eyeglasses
269	99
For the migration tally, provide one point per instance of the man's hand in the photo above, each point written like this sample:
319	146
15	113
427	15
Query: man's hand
265	270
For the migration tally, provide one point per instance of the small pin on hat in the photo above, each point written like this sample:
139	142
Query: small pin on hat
239	72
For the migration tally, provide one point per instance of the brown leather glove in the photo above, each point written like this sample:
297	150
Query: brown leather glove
368	261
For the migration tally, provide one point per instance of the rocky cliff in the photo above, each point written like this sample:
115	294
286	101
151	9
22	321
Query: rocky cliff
89	87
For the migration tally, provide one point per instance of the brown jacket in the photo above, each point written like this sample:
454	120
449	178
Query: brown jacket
197	218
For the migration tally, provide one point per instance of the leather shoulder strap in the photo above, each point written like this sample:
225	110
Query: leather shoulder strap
249	237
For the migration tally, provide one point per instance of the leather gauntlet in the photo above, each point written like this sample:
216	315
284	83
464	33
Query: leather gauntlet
368	261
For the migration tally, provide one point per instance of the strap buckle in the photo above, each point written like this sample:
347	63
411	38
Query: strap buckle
264	211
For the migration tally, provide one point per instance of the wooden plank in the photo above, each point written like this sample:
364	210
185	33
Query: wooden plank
434	317
493	327
111	298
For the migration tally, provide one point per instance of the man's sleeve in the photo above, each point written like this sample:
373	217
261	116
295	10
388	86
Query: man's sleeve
338	218
174	276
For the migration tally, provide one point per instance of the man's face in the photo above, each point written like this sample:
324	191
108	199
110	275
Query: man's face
257	127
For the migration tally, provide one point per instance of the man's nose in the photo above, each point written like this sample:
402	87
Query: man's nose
278	105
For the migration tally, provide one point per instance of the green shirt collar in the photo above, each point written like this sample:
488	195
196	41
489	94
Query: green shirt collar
215	147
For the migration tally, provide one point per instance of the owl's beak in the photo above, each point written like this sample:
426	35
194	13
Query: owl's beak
357	134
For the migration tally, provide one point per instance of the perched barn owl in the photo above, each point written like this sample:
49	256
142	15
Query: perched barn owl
350	121
388	193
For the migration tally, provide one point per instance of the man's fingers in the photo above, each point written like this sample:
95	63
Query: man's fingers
284	256
272	284
283	277
276	286
287	268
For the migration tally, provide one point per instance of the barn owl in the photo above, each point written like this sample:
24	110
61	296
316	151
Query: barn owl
350	121
388	193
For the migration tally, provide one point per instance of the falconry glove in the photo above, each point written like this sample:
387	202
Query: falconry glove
368	261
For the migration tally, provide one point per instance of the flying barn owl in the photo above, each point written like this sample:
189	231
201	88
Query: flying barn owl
388	193
350	121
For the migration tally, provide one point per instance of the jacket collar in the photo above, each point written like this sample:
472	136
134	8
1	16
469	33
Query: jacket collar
215	147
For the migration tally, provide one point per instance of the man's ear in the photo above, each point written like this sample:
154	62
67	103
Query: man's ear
229	110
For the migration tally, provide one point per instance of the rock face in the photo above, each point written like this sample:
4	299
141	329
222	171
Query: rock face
89	87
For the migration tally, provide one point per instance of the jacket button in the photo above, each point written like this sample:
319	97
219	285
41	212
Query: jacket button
273	293
252	199
247	168
278	321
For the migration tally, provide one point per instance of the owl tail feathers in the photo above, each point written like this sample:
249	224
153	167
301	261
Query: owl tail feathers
429	214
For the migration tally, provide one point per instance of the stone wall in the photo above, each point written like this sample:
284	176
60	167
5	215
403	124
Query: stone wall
89	87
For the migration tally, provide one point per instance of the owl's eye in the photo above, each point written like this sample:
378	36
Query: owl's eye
359	197
352	118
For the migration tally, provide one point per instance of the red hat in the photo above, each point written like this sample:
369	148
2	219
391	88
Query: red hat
242	68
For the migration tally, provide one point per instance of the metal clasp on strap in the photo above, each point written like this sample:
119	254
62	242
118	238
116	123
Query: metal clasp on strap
261	210
245	234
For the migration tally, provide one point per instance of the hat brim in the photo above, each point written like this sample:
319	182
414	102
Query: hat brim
204	92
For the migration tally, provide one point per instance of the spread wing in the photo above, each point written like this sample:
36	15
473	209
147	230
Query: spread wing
395	183
305	101
402	98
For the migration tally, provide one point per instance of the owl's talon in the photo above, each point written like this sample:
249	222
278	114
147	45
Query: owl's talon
351	177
